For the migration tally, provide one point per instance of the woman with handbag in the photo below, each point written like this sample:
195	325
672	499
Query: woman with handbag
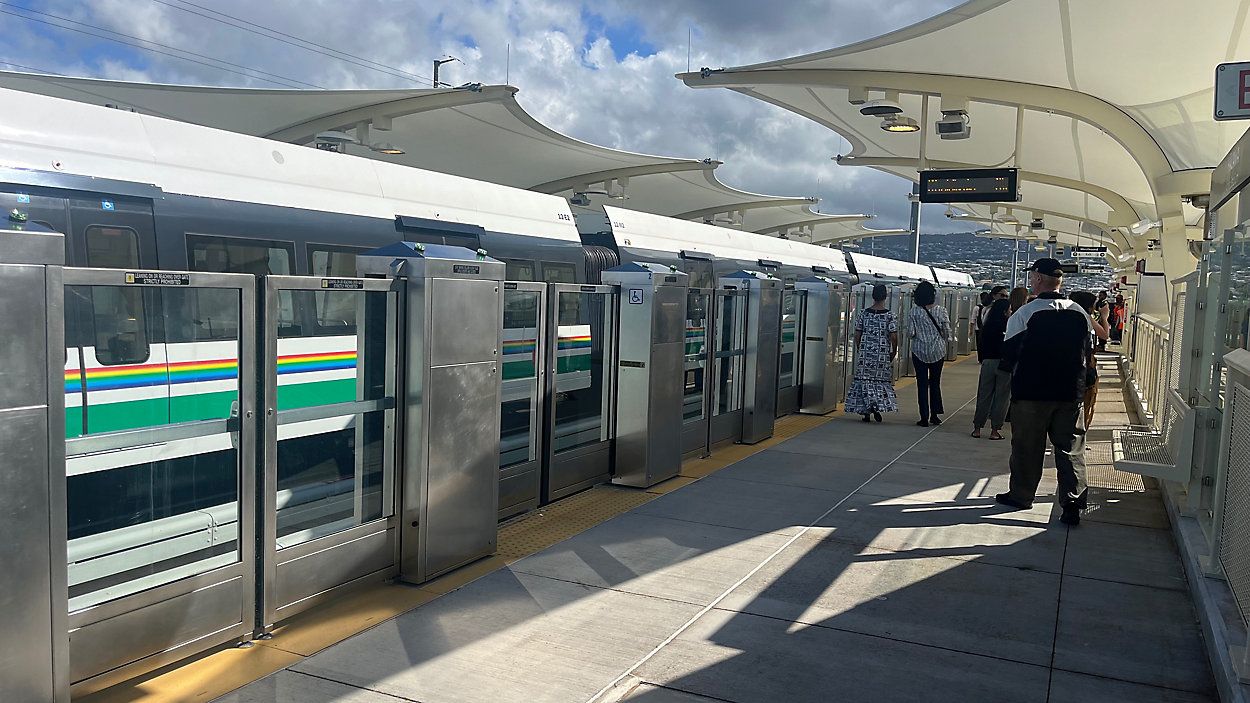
930	327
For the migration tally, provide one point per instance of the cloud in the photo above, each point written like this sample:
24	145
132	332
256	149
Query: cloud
560	53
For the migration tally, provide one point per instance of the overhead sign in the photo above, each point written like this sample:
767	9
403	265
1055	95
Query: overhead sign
969	185
1232	91
1089	252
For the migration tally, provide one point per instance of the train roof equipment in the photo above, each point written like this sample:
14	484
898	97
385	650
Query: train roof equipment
641	230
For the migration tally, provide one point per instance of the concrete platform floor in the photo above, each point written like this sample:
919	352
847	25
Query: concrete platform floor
851	563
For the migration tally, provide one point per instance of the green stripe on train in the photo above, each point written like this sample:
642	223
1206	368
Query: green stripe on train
513	370
149	412
569	364
155	412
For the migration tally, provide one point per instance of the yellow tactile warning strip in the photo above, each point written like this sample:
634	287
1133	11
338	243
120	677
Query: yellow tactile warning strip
221	672
533	532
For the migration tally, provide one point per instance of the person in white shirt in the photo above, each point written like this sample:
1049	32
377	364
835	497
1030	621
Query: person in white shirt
930	327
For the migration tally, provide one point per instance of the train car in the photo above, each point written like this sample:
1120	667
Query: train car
706	253
136	192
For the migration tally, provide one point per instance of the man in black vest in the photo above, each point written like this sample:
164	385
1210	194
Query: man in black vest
1046	348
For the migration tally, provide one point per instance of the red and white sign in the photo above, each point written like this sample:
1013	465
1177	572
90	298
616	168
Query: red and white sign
1232	91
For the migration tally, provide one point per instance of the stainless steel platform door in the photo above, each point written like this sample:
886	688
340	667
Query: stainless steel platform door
34	637
790	360
963	322
328	479
524	382
821	377
160	379
580	358
763	344
900	304
449	394
949	298
728	365
846	352
651	319
697	367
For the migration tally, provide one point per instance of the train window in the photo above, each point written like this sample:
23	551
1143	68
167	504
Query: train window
333	262
112	247
238	255
117	313
335	310
559	273
519	270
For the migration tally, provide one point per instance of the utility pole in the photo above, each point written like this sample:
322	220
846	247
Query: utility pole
440	62
1015	263
915	222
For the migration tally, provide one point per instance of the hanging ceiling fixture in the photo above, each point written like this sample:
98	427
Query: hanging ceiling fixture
899	124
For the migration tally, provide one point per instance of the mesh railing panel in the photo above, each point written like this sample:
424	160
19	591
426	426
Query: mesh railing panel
1235	530
1177	340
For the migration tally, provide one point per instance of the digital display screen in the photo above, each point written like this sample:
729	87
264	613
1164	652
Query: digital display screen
969	185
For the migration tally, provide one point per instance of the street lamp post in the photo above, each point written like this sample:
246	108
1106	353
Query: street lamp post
440	62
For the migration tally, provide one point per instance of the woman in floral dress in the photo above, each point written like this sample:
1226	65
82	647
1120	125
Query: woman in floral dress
876	344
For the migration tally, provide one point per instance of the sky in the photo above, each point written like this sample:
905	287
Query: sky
598	71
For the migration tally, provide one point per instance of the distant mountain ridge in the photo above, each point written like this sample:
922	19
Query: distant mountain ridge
987	260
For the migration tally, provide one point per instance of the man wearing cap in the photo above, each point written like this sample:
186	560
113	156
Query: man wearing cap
1046	348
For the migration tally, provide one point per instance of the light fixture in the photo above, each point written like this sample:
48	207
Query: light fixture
880	108
899	124
386	148
1142	227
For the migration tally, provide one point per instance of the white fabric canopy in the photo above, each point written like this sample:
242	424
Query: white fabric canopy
1105	106
478	132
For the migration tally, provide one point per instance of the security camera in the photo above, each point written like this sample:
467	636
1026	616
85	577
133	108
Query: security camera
880	108
953	126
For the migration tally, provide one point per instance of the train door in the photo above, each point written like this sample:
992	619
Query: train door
728	365
580	370
696	369
160	475
523	390
328	484
790	364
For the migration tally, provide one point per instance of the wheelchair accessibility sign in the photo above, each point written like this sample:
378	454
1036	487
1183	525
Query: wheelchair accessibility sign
635	296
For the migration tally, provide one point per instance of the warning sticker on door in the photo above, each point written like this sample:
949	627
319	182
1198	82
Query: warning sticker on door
157	278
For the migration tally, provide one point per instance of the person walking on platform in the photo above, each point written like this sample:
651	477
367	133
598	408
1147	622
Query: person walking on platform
1118	312
994	385
978	314
930	327
1018	298
1102	314
876	344
1047	347
1102	331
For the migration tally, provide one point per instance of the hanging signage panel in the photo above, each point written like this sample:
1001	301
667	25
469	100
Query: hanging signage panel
969	185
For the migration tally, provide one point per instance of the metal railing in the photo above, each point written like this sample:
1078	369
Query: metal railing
1194	368
1151	359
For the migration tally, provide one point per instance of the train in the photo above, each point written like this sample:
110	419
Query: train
138	192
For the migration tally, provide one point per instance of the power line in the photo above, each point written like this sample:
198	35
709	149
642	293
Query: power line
414	76
32	68
280	80
299	43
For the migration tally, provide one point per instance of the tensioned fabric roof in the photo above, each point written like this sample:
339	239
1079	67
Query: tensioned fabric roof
1104	105
475	131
